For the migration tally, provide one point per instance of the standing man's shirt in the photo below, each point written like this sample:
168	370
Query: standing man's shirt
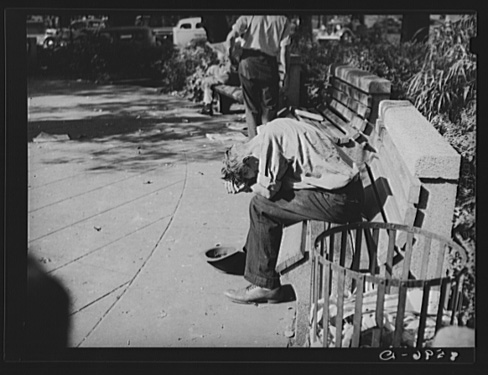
297	155
268	34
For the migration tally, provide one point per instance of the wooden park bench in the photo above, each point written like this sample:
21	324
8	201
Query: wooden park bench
350	117
224	96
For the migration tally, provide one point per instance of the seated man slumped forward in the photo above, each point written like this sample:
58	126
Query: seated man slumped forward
222	73
296	173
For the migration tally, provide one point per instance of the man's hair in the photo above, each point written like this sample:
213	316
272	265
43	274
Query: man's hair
233	166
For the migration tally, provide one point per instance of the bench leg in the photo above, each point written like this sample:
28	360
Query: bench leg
222	103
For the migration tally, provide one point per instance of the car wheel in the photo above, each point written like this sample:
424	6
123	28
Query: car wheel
346	37
48	43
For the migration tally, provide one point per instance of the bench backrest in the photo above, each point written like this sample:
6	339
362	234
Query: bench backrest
354	97
392	193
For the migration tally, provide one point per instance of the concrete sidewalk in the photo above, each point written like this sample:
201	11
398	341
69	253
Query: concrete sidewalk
122	211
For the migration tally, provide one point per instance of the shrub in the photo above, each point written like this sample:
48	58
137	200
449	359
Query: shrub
446	83
180	72
373	53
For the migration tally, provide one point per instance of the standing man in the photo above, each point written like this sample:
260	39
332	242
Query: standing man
296	173
263	65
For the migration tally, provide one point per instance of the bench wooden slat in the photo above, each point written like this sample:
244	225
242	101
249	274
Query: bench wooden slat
355	106
342	110
351	91
343	126
358	123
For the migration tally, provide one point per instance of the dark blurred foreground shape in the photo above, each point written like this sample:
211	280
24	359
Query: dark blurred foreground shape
47	319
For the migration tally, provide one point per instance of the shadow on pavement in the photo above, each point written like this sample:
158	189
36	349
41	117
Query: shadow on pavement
124	126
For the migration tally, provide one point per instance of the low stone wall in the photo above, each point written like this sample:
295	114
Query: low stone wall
430	158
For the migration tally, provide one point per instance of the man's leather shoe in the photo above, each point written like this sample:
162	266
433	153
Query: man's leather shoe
207	110
255	294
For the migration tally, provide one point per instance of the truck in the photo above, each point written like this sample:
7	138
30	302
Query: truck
188	30
185	31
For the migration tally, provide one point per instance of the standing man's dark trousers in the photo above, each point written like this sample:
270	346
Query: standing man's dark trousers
269	216
259	77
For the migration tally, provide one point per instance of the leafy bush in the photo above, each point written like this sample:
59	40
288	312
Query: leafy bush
373	53
180	72
446	82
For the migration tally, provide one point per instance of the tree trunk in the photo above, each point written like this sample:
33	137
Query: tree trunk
305	28
415	27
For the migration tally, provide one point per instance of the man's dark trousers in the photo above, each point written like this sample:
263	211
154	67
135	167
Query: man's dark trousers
269	216
259	77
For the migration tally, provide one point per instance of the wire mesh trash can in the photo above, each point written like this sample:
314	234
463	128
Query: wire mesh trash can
383	285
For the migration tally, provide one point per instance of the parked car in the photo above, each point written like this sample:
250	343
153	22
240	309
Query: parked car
188	30
134	35
335	30
160	28
44	36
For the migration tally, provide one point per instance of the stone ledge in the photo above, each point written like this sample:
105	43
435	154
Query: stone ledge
365	81
426	153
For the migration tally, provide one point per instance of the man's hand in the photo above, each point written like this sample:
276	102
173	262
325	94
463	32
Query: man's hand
261	190
232	188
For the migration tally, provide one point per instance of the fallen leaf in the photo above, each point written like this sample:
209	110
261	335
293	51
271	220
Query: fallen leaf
289	333
97	228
